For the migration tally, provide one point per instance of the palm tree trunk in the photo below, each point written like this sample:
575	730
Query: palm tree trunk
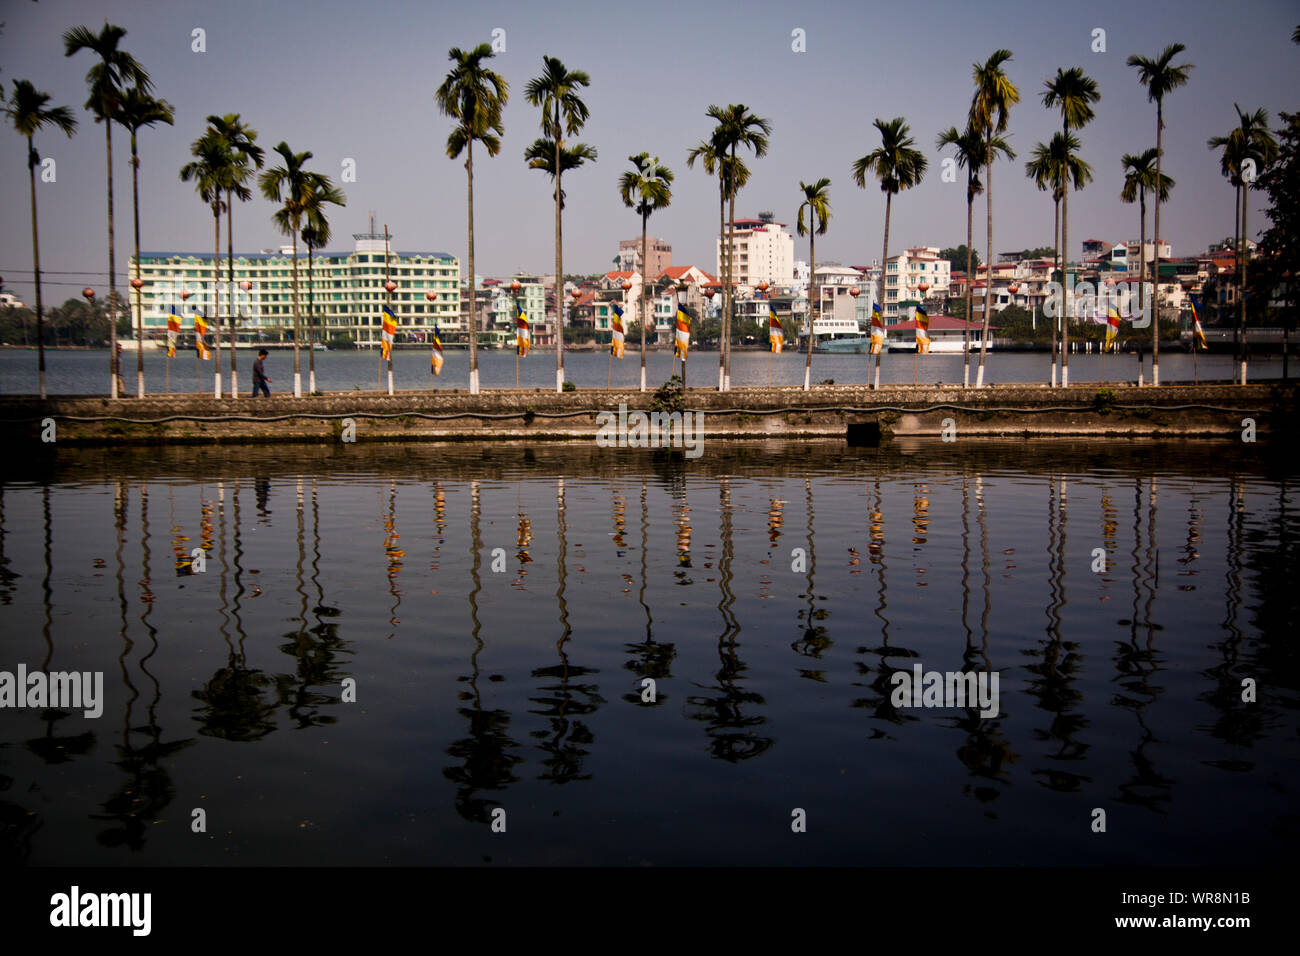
1065	265
884	285
216	301
230	288
644	217
297	368
722	273
1056	258
473	304
1236	251
114	370
970	277
311	324
139	306
731	270
812	296
1241	292
988	267
559	267
36	270
1155	251
1142	262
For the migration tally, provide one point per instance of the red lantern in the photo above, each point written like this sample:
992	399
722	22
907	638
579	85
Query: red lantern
185	295
137	283
1013	288
855	292
515	287
709	293
431	296
627	286
763	287
245	285
88	293
924	287
390	285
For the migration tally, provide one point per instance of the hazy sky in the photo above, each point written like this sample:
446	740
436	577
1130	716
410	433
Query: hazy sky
355	80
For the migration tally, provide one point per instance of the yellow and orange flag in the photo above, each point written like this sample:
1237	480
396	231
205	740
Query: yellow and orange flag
616	330
173	329
1198	333
775	334
877	329
435	359
523	333
200	330
683	337
387	334
1112	329
922	330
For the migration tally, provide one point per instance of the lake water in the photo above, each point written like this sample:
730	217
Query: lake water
85	372
500	608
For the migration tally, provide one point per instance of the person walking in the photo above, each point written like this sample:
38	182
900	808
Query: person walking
260	380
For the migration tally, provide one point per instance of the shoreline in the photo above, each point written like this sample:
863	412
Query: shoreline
854	413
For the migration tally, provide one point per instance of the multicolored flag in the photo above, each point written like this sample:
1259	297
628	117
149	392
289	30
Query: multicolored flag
922	330
683	337
775	334
387	334
616	331
1198	333
1112	329
173	329
200	330
436	358
523	333
877	328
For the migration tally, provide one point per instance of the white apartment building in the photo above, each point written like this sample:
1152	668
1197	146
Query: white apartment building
1124	255
906	272
764	252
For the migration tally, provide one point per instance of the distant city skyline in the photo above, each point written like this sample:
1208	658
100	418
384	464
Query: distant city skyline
355	83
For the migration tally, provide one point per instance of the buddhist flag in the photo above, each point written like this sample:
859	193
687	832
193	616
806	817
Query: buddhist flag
922	330
877	329
775	334
1198	333
200	330
1112	329
683	338
523	334
616	336
173	329
436	359
388	333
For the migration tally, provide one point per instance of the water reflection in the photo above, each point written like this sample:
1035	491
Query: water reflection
773	620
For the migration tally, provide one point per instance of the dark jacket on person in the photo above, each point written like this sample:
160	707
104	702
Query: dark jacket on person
259	376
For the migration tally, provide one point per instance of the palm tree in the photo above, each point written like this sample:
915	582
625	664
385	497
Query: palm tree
316	234
646	187
210	172
108	79
556	92
1139	177
736	128
136	111
898	165
245	158
1072	92
1160	76
995	94
27	111
1058	164
732	175
474	97
289	185
817	204
1250	144
969	145
1047	173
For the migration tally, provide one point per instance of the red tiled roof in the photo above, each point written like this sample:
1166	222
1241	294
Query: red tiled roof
621	275
676	272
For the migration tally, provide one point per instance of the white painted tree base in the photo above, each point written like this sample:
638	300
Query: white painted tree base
559	380
1065	376
234	385
139	384
216	385
643	378
390	381
473	381
297	384
807	374
979	377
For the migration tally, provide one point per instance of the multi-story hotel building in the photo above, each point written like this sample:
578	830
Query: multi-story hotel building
764	252
346	291
659	255
906	272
